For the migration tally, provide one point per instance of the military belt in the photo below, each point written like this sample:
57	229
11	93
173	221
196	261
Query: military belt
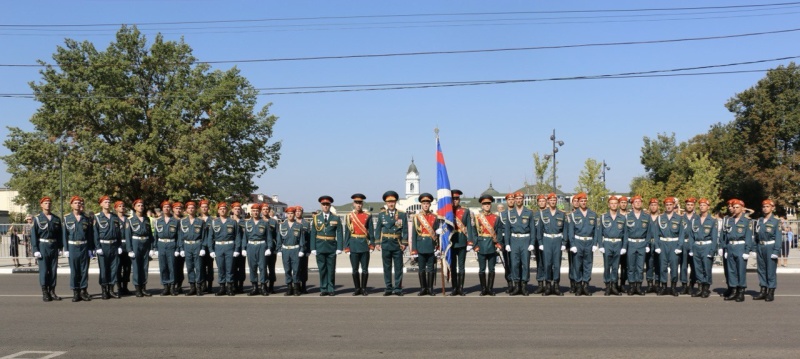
190	242
584	238
358	236
326	238
256	241
612	240
669	239
767	242
702	243
47	240
222	243
736	242
520	235
141	238
290	247
390	235
636	240
557	235
76	243
103	241
166	240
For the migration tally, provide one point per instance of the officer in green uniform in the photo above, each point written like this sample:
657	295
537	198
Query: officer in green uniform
552	240
462	235
207	262
166	239
703	238
684	259
305	248
180	258
623	259
488	243
359	241
639	230
541	204
613	246
739	243
78	243
425	243
326	244
290	241
267	214
46	243
506	254
225	244
124	271
256	244
239	262
139	241
669	244
651	258
191	246
570	253
520	233
584	233
768	237
108	241
392	235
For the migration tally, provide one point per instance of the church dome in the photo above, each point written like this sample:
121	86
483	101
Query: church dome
412	168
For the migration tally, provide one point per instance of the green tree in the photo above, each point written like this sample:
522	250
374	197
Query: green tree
140	122
543	173
704	181
590	181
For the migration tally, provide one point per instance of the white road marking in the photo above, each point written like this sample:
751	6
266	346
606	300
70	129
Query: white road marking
25	355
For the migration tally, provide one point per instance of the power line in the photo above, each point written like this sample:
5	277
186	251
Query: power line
454	52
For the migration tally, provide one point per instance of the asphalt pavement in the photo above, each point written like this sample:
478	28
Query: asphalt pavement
408	326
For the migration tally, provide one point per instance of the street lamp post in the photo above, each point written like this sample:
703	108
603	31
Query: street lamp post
605	168
555	150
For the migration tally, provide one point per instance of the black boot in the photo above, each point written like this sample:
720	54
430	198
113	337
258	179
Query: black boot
614	290
684	289
523	288
555	289
239	287
112	293
727	292
490	284
201	288
515	289
85	295
297	290
289	290
138	291
770	295
192	290
706	292
762	295
76	295
429	282
699	292
166	290
364	277
585	289
124	289
631	288
222	290
541	288
104	295
303	288
734	294
571	286
740	296
461	284
675	292
272	287
177	289
46	294
639	290
453	284
209	286
662	289
264	290
356	283
230	290
53	293
482	281
511	287
650	287
254	290
423	288
607	290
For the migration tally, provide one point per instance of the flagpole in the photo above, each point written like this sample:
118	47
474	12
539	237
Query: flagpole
441	255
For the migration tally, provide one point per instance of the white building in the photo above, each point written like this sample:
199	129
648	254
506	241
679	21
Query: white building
7	197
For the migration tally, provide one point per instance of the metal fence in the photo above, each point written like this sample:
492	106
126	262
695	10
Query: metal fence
15	241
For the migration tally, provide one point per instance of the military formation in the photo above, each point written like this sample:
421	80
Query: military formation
637	245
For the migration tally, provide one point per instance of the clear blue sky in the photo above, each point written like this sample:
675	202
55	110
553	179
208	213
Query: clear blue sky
341	143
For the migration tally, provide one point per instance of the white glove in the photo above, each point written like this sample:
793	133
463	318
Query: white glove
573	249
541	247
338	252
66	254
469	248
132	254
414	255
213	255
602	250
719	252
439	231
280	254
508	248
530	247
236	254
183	253
99	252
38	254
177	254
299	254
594	249
691	254
153	254
314	252
202	252
119	250
647	249
745	256
60	253
268	253
623	251
371	250
709	256
774	256
563	248
658	250
725	255
437	253
678	251
244	252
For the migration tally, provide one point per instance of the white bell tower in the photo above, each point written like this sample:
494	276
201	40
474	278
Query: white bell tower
412	181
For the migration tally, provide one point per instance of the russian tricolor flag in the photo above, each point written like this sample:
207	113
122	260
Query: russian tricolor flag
444	201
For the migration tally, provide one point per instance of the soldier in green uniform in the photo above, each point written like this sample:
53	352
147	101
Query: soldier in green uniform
191	246
669	245
584	233
225	244
139	241
614	244
239	262
124	272
506	255
768	239
425	243
305	249
462	235
488	243
359	242
392	235
108	241
268	215
180	259
78	243
520	233
46	243
685	263
541	204
570	253
651	258
256	244
289	243
738	243
623	259
166	239
703	239
639	230
207	262
551	236
326	244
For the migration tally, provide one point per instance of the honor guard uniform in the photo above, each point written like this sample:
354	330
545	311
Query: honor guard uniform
505	253
191	246
724	253
669	245
739	243
207	262
639	231
166	239
108	241
488	243
359	241
46	242
425	243
239	262
584	232
570	253
326	244
124	271
462	235
139	241
290	241
541	203
392	235
687	270
272	237
78	243
305	248
520	234
614	245
180	258
225	245
703	237
768	237
623	259
256	245
552	240
651	258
